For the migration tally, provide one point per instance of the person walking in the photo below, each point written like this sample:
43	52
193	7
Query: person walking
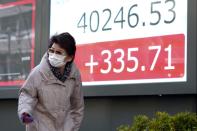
51	98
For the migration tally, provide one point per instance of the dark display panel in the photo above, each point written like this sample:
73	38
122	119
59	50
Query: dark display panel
17	23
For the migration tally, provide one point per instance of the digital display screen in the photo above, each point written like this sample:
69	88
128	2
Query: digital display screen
125	42
17	23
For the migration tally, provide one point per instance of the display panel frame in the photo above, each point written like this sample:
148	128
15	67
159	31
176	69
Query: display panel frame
158	88
16	5
10	89
189	87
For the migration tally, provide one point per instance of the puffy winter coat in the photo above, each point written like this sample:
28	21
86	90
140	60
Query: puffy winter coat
54	105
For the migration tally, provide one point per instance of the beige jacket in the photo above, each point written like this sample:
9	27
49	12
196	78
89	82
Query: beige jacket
54	105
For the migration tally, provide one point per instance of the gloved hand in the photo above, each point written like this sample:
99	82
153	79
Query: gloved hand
26	118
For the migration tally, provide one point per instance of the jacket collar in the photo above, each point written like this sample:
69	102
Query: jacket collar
48	74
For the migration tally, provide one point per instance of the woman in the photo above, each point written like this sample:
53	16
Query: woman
51	97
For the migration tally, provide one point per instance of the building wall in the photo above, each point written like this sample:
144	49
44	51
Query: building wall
107	113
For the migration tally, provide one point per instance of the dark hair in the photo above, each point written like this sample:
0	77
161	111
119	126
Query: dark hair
65	41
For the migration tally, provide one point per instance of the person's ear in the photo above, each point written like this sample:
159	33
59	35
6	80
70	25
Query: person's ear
69	58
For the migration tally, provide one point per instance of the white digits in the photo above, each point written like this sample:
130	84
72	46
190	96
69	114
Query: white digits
169	50
120	60
107	61
158	48
132	58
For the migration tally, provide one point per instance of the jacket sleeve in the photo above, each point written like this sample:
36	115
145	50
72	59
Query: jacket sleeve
77	103
27	96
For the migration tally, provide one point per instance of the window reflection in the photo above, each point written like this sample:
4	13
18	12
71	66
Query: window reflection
15	42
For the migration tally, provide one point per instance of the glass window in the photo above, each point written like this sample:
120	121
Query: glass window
16	41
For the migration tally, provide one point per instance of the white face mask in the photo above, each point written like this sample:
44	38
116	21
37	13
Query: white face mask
56	60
